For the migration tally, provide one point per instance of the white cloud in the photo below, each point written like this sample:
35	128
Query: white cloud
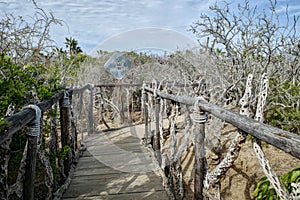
92	21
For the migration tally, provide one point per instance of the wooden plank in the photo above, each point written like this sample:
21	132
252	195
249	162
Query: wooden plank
102	150
101	145
110	167
115	183
94	167
111	171
112	149
151	195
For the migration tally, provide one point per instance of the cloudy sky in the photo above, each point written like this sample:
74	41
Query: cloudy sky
97	23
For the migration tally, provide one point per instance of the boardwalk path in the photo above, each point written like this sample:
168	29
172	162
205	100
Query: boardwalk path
116	166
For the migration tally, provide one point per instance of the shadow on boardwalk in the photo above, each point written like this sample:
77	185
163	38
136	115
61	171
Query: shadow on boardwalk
116	166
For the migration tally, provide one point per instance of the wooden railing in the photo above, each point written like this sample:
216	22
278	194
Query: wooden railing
170	164
152	102
68	146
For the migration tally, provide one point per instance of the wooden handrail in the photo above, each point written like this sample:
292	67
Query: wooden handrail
19	120
141	84
281	139
82	89
23	118
284	140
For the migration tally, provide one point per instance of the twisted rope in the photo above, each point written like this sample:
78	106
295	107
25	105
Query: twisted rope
154	83
34	126
220	170
65	102
264	163
198	115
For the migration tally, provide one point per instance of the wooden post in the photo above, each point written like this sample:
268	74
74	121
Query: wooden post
32	139
30	168
128	106
53	144
200	159
91	112
4	152
74	141
143	92
102	108
121	108
145	100
156	137
65	126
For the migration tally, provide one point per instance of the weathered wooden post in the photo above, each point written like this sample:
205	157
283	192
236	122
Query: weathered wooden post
91	112
175	165
30	167
156	137
65	126
32	139
73	120
199	119
53	143
146	117
143	92
102	108
4	158
120	102
4	152
128	95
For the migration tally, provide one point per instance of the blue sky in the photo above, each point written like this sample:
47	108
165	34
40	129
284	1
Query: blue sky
94	22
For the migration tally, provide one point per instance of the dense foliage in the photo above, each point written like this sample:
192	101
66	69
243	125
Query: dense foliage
21	85
33	69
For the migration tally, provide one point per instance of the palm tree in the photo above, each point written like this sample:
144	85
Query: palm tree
72	45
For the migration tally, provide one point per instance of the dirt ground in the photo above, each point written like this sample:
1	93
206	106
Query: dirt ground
240	181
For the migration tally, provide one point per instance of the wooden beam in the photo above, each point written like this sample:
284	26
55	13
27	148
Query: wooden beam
17	121
141	84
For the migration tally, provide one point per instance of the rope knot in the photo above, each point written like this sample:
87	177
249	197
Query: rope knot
65	102
198	115
34	126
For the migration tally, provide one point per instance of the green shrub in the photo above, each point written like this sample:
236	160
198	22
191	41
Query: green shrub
263	190
283	105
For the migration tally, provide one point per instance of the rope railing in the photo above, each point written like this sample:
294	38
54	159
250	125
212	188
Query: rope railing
175	84
156	106
207	184
32	116
284	140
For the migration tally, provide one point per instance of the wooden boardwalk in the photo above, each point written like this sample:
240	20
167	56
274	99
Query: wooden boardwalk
116	166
